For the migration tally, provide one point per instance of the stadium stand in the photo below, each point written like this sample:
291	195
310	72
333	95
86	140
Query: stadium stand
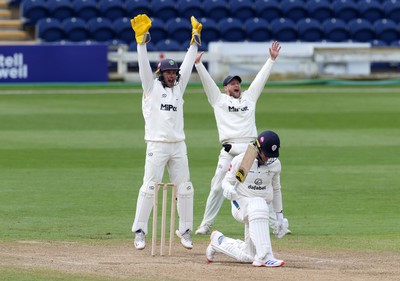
188	8
158	30
179	29
60	9
34	10
284	30
169	46
136	7
123	30
216	9
361	30
310	30
319	9
268	9
391	9
386	30
335	30
101	29
231	29
75	29
164	9
111	9
345	9
257	29
370	10
293	10
242	9
210	31
50	30
85	9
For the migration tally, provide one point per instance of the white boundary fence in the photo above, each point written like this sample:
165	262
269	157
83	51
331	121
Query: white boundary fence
309	60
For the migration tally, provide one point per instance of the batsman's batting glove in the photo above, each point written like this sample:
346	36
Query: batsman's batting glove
283	226
230	192
196	31
141	25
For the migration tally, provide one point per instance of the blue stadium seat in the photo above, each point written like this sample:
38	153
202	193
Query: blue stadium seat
150	47
216	9
257	30
231	30
123	30
158	31
137	7
335	30
294	10
310	30
386	30
188	8
284	30
319	9
361	30
370	10
50	30
164	9
345	9
169	45
34	10
101	29
75	29
395	43
111	9
85	9
268	9
60	9
242	9
179	29
391	10
378	43
210	31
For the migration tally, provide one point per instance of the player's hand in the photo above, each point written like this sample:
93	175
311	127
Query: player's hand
283	226
230	192
198	58
196	31
141	25
274	50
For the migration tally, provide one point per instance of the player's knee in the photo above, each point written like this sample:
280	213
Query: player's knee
257	209
185	189
148	188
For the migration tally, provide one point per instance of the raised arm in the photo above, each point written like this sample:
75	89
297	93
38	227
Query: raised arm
210	87
257	86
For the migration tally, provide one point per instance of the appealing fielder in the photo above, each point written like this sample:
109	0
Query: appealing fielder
249	202
235	117
162	106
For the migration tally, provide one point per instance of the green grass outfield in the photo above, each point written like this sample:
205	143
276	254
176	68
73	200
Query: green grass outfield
72	158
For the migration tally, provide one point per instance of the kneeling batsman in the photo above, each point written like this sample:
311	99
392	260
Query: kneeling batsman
251	183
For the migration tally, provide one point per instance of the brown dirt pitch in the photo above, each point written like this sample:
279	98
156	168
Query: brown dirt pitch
123	262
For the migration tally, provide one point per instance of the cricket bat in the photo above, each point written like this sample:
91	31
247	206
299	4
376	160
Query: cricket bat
247	161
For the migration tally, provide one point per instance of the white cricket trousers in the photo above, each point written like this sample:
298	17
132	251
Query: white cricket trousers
158	156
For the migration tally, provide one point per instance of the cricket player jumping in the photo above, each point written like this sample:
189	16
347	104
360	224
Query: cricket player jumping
235	117
249	202
162	106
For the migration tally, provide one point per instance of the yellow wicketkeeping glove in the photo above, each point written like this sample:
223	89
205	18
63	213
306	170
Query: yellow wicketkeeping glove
141	25
196	31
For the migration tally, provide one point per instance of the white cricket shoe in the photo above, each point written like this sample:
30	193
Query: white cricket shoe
268	263
186	240
215	239
203	229
140	240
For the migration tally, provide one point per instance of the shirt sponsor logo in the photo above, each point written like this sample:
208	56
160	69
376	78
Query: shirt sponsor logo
168	107
237	109
13	67
257	187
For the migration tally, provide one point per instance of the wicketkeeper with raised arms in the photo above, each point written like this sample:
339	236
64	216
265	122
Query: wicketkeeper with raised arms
162	106
249	205
234	113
